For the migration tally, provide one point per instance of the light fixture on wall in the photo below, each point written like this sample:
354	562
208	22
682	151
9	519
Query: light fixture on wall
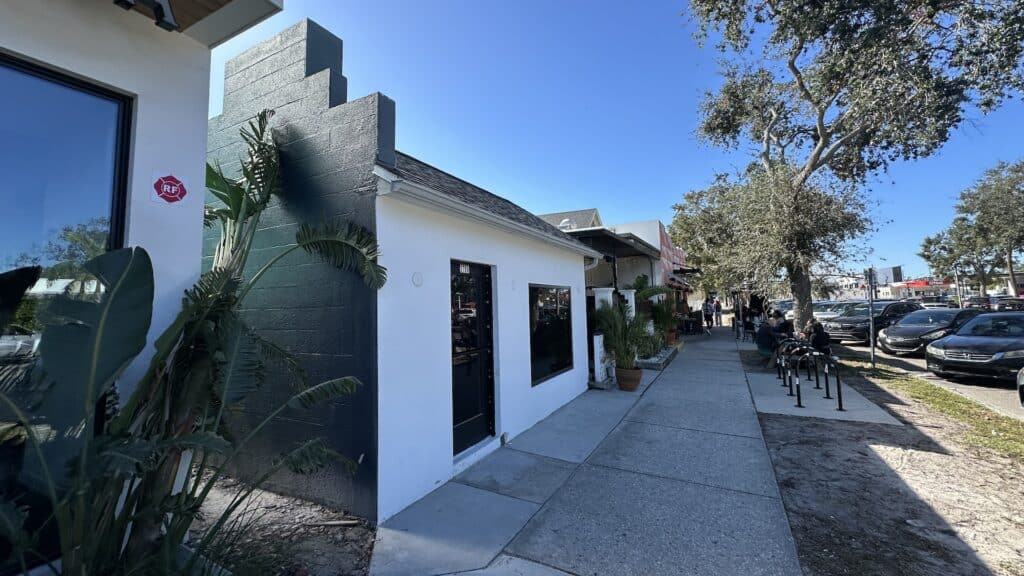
161	9
417	279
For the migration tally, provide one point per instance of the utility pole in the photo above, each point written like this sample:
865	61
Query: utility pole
956	279
871	312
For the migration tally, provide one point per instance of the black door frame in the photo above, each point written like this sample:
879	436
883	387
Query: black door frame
485	371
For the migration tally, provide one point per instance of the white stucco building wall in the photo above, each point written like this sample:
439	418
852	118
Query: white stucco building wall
167	76
415	348
647	230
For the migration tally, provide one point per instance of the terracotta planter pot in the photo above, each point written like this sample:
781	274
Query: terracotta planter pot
628	379
670	337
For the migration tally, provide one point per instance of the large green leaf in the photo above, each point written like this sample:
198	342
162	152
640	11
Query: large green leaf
241	369
324	392
228	191
277	355
126	455
89	344
309	457
207	441
345	246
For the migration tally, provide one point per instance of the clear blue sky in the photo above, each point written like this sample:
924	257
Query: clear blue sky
567	104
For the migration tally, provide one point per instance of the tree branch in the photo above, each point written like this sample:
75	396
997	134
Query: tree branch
819	121
837	145
767	140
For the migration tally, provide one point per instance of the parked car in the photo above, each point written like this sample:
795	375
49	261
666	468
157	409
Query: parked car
982	302
855	322
1009	305
989	345
15	341
914	331
834	309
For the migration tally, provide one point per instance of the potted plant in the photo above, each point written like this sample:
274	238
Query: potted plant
622	336
663	314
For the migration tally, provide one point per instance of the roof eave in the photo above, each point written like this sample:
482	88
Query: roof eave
231	20
391	184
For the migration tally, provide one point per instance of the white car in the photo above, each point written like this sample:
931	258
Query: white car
832	310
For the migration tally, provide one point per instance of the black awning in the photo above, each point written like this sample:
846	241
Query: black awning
614	245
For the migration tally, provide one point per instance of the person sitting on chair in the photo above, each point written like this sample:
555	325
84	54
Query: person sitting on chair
820	340
783	328
766	341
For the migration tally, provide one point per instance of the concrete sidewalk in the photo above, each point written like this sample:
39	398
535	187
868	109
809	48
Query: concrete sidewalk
672	479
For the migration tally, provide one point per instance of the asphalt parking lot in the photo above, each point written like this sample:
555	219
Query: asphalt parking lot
997	395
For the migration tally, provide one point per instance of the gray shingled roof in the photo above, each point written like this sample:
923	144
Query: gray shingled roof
586	218
420	172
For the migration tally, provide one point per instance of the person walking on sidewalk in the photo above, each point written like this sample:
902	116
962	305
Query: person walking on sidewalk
709	313
718	312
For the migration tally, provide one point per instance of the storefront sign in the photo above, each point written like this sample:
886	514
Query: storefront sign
169	189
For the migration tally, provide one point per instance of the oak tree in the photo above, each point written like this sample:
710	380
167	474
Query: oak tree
845	87
996	205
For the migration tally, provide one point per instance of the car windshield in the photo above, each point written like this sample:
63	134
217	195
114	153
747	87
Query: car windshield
783	306
931	317
995	325
822	306
862	308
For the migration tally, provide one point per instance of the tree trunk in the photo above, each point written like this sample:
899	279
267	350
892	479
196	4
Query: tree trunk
1012	274
800	285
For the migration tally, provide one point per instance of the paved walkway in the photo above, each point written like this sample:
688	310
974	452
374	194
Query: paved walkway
672	479
770	397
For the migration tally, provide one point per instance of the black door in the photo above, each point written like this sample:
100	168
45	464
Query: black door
472	358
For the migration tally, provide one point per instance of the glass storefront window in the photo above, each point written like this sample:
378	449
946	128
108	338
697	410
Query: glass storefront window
550	331
63	160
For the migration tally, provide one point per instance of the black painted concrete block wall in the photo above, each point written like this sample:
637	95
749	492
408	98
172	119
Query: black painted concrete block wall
324	316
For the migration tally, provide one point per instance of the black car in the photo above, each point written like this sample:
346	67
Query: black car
1009	304
982	302
990	345
854	322
914	331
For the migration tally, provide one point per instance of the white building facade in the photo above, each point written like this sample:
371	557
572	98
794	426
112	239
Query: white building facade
103	107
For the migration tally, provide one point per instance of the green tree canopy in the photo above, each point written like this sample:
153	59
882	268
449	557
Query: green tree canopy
963	244
996	204
755	231
988	230
849	86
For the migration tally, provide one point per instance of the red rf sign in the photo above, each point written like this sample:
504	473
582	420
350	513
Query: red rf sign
169	188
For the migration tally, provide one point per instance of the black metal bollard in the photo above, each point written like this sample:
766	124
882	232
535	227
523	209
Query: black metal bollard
799	398
828	360
789	374
778	366
839	391
817	377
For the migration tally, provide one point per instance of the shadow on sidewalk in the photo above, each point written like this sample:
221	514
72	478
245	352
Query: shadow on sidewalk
850	509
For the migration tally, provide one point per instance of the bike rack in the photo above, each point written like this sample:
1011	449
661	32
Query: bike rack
794	352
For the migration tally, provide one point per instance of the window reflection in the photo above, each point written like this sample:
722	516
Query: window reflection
550	331
59	157
62	148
